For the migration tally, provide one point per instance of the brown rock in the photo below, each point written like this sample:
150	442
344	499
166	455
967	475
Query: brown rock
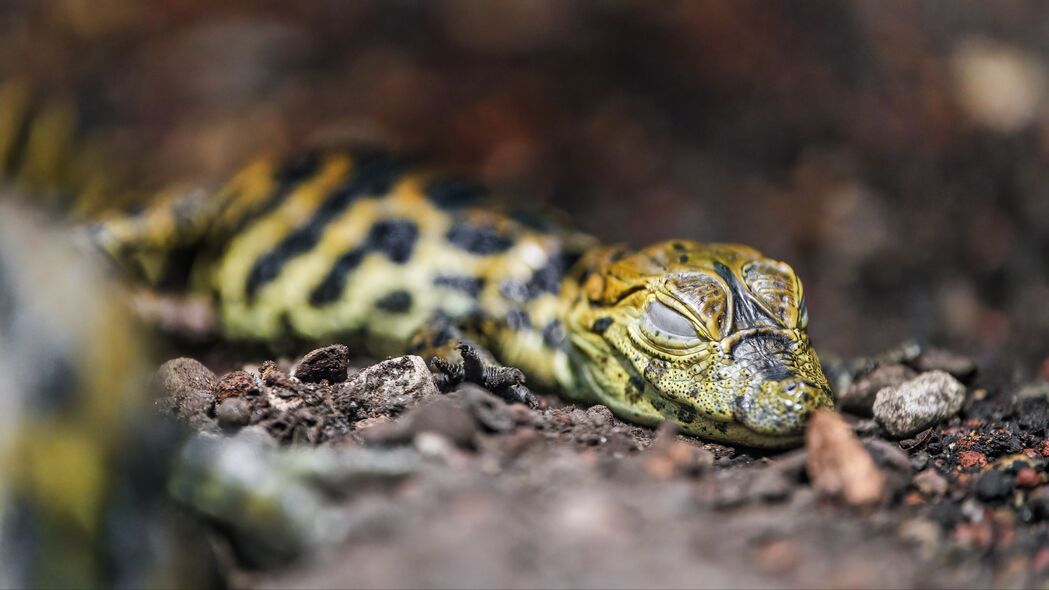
236	384
970	459
489	410
1028	478
187	389
330	364
669	455
441	416
838	465
930	483
233	412
937	359
858	398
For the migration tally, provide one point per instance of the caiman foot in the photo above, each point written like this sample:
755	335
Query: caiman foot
505	382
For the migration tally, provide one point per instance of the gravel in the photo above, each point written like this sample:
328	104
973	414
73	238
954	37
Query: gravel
913	406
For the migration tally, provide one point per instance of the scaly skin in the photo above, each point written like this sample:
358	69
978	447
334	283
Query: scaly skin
360	247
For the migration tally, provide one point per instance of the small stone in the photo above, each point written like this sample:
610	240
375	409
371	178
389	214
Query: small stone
858	398
838	464
920	460
971	459
441	416
236	384
994	486
600	415
329	364
186	387
930	483
233	412
1038	502
489	410
771	485
669	455
1027	477
923	533
182	375
387	388
919	403
937	359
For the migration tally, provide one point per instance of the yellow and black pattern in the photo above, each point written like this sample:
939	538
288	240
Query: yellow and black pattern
79	452
45	150
362	247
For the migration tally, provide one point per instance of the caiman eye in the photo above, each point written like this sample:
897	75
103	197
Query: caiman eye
665	326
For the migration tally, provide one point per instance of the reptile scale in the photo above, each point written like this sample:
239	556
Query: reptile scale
360	247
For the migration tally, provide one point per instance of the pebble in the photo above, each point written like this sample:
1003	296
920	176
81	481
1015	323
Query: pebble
838	464
1038	501
330	364
490	411
235	384
930	483
970	459
233	412
442	416
858	398
186	388
387	388
669	455
936	359
919	403
1027	477
994	486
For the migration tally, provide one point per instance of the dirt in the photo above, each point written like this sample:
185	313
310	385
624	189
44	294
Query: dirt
514	496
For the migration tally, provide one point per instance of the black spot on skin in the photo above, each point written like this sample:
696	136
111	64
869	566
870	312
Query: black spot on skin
374	175
292	172
683	258
299	167
56	383
517	319
546	279
514	290
601	324
443	336
332	286
395	238
451	194
637	383
395	302
470	285
554	334
178	266
21	141
655	369
686	414
483	240
678	246
721	427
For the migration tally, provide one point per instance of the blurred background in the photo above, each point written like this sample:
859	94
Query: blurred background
894	152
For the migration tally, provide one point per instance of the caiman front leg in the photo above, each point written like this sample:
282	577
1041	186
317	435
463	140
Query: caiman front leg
456	358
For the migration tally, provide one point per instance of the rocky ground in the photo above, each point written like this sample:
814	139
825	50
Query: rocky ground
322	474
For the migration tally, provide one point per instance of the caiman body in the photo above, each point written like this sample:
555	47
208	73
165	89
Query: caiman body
361	247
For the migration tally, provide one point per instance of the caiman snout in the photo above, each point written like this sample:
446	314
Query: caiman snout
781	407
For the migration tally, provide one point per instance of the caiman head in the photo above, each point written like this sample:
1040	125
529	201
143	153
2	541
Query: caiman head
711	337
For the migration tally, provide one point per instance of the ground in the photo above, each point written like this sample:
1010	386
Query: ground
463	489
